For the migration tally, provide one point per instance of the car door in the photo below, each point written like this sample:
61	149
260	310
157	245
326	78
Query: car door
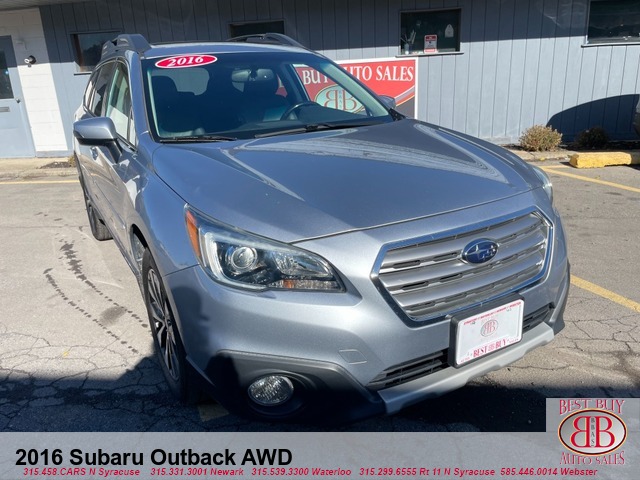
113	168
93	105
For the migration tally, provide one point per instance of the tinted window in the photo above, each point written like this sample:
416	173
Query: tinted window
614	21
88	48
435	31
119	103
243	95
102	80
255	28
86	101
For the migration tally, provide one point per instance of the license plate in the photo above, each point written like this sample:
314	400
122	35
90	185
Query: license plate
488	332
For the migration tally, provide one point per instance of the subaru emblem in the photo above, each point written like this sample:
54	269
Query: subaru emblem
480	251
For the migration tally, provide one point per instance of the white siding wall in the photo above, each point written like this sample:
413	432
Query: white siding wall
40	99
522	62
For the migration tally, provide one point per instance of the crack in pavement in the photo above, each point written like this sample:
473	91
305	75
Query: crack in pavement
74	265
89	316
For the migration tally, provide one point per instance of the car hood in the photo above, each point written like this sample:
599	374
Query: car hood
299	186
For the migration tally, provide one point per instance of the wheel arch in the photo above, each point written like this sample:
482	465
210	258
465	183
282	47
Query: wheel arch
138	245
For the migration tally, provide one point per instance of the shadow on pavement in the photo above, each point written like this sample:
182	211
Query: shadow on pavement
140	401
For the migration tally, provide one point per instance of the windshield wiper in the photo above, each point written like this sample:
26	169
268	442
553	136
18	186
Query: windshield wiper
197	138
313	127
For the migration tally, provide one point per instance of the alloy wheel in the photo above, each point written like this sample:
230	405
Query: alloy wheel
163	325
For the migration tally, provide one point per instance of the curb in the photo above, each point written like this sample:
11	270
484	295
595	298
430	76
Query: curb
604	159
39	172
557	156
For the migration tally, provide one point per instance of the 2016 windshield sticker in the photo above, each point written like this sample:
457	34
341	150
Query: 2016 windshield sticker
184	61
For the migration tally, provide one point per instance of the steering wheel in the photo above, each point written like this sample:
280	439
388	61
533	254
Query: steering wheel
295	107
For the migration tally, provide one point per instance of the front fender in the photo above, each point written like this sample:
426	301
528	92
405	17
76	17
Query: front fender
158	213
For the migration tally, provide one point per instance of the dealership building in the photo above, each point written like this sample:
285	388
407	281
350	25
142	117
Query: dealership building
489	68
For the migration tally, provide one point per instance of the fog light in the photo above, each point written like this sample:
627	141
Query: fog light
271	391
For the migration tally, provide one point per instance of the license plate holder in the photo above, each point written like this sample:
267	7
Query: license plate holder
485	330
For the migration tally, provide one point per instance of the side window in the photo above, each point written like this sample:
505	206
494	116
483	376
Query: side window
102	80
119	102
86	101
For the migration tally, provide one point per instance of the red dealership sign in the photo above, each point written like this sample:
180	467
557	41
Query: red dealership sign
395	78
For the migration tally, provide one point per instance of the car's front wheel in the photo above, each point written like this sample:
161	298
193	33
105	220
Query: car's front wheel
166	338
98	228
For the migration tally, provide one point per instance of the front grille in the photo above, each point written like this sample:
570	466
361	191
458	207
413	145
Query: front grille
430	279
423	366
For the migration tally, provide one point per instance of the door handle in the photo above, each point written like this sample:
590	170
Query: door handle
94	153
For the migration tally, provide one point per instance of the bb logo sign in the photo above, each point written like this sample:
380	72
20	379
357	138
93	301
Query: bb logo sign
338	98
592	432
488	328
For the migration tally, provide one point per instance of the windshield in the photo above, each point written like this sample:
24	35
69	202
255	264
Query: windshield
244	95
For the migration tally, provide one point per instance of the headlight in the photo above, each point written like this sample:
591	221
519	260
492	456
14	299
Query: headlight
546	183
234	257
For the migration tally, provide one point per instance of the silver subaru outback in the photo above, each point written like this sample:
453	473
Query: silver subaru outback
302	259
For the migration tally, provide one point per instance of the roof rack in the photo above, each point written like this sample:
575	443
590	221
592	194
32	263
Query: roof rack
128	41
268	38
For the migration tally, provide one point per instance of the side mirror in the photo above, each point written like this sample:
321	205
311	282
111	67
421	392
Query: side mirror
95	131
98	132
388	101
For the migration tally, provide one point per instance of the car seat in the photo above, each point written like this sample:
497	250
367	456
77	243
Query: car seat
175	112
220	104
260	100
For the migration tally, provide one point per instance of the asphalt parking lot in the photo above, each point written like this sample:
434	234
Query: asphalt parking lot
76	353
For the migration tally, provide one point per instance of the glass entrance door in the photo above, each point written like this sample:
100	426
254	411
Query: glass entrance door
15	134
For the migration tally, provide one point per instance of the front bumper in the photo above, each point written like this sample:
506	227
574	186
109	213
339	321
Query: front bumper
334	346
327	392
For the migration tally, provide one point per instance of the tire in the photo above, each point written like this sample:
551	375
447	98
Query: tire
166	338
98	228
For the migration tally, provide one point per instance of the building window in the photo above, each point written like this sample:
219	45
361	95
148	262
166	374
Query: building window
432	31
254	28
88	48
614	21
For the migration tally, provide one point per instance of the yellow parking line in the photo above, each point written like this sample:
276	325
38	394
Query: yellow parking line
603	292
35	182
553	167
593	180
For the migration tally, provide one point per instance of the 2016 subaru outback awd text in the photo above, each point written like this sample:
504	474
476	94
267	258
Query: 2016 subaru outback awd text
299	259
